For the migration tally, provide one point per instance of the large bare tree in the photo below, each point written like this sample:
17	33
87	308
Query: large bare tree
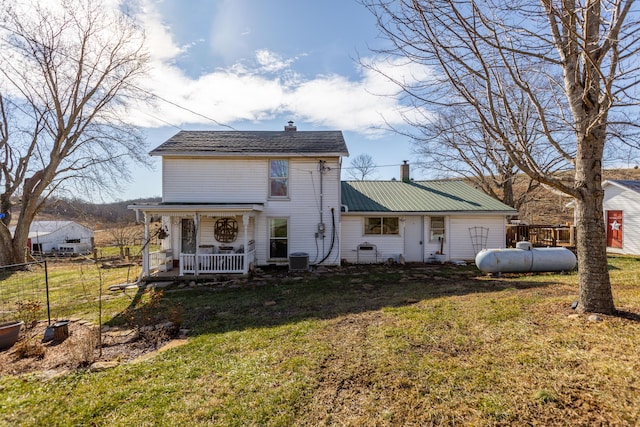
574	62
454	143
67	71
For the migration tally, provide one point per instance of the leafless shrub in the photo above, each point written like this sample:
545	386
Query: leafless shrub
29	347
28	312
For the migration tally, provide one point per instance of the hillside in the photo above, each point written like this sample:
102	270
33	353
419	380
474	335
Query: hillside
96	216
547	206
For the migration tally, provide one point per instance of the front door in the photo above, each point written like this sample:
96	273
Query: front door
413	239
188	236
614	229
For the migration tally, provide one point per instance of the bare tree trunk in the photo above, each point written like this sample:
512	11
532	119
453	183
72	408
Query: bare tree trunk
6	252
593	275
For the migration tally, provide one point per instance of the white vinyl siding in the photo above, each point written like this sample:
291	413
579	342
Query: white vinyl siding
388	245
220	180
302	209
627	201
459	237
245	180
457	245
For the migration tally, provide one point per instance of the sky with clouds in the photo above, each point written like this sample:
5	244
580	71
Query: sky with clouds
256	64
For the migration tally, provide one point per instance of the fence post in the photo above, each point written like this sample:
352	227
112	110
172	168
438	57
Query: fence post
46	282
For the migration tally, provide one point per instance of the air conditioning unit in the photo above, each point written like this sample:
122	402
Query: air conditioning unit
299	261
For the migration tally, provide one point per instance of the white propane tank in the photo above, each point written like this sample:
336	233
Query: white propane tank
525	258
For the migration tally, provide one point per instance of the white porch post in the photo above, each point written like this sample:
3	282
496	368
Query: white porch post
196	223
145	249
245	242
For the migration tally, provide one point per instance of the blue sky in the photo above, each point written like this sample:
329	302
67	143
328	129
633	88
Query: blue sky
256	64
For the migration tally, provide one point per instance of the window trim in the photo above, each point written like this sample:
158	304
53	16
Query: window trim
269	219
382	226
287	179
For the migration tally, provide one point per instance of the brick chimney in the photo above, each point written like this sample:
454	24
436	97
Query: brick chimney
290	127
404	172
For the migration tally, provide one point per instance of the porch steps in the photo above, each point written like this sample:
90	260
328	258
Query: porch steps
159	285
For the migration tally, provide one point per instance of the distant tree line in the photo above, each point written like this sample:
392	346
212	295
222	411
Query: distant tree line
91	213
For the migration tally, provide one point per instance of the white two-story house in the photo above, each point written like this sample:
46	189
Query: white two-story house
233	199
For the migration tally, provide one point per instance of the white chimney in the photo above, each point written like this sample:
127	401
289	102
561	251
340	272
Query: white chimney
290	127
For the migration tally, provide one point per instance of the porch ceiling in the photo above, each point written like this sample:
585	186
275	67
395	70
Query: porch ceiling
211	209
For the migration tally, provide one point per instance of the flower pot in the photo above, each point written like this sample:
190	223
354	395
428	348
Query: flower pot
9	334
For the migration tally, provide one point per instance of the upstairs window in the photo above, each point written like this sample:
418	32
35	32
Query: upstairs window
381	225
278	178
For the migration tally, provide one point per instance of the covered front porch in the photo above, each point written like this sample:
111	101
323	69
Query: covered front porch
200	239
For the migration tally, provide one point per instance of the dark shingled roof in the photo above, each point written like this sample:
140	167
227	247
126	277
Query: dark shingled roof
302	143
629	183
418	196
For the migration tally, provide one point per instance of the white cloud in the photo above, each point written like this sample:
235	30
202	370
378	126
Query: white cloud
160	41
271	62
267	85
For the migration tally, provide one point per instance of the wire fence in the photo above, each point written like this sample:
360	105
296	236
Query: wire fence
58	290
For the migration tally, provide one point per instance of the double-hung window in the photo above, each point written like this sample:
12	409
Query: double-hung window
278	178
278	238
437	228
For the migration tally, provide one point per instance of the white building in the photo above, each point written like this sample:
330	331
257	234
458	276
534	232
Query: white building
232	199
65	237
235	199
419	220
622	215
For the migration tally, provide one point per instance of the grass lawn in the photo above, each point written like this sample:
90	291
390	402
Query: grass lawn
423	345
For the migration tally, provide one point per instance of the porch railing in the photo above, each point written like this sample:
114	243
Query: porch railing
156	259
215	263
541	235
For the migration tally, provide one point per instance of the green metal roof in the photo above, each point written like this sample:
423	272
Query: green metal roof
418	196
